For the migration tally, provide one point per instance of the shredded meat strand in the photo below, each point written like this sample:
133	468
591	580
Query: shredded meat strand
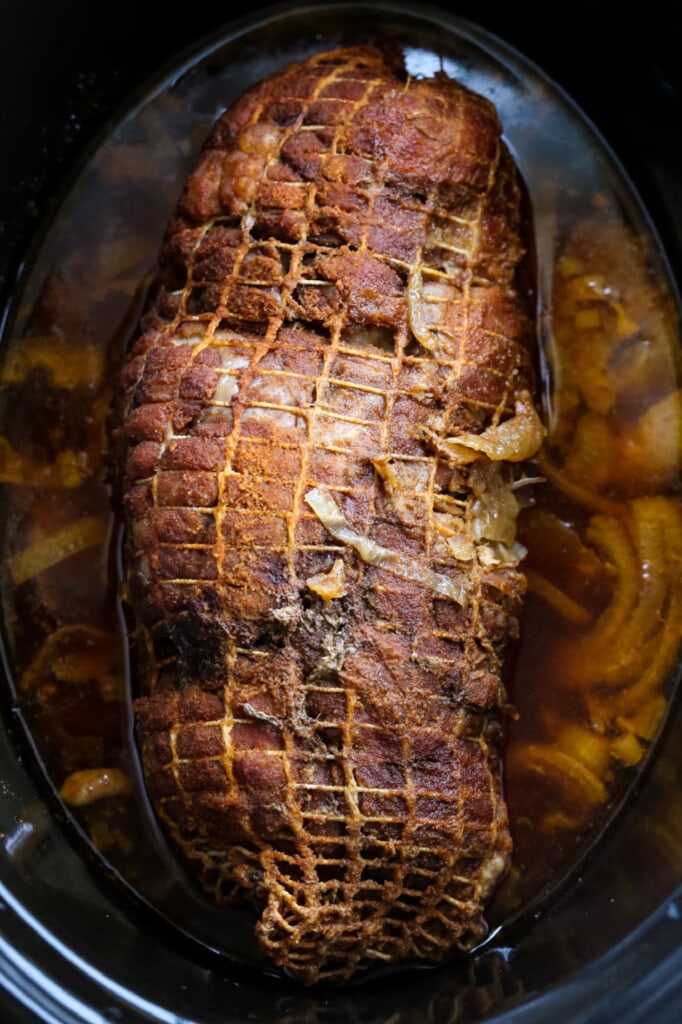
337	296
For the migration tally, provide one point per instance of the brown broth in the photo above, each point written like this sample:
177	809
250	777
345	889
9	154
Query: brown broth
591	673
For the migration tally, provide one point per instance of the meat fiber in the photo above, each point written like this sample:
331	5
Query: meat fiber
316	433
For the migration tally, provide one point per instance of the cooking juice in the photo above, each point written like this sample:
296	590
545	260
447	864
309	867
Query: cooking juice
592	673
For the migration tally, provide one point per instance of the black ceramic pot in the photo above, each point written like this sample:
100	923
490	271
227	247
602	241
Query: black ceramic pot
74	948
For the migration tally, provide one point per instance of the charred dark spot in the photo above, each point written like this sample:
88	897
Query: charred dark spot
198	645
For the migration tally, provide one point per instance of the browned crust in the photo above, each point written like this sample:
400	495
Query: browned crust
335	760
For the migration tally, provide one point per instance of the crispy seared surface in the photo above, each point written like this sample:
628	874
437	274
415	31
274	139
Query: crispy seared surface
322	607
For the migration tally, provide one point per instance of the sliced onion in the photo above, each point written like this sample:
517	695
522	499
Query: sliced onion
514	440
415	312
91	531
495	509
88	785
569	609
329	585
580	786
329	513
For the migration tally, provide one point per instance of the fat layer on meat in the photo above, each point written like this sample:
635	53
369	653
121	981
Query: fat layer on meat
320	554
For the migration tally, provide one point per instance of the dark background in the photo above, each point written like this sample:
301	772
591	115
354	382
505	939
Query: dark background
66	66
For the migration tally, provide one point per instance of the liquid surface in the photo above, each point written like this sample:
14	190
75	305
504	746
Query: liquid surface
602	523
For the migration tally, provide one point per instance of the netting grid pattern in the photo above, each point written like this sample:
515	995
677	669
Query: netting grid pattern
321	731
